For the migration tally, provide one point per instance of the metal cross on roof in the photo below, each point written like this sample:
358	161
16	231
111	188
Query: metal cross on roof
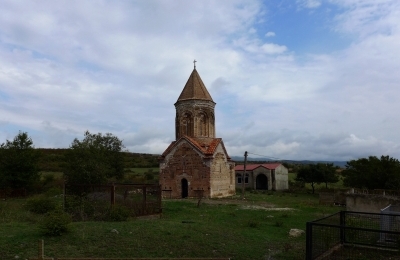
194	62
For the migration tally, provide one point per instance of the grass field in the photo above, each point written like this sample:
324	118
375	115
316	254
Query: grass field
254	228
337	185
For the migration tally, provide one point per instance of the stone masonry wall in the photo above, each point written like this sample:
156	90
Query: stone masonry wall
281	178
195	118
184	162
369	202
222	175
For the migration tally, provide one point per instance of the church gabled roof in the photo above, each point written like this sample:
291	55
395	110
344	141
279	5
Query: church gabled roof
207	146
194	88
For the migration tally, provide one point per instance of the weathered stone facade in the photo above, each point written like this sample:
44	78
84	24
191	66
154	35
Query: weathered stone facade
195	118
196	164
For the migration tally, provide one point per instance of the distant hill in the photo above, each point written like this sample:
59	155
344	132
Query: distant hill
52	160
240	160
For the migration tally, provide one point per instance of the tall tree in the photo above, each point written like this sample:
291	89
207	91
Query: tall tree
328	172
310	174
373	173
94	160
19	162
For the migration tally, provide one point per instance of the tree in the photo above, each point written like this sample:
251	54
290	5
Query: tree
373	173
328	173
19	162
316	174
94	160
309	174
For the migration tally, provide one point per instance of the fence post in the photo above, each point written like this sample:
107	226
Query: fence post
309	241
144	200
41	249
64	197
342	227
159	199
112	195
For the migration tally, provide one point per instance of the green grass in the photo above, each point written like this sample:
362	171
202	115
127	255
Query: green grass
218	228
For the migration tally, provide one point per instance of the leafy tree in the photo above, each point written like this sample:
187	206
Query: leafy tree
373	173
309	174
94	160
328	172
19	162
316	174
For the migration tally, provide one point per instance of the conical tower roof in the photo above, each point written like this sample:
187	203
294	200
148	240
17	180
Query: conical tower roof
195	88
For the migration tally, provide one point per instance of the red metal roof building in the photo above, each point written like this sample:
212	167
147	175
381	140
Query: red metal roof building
267	176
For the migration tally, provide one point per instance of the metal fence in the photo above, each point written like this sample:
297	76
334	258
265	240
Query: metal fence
6	192
349	235
99	202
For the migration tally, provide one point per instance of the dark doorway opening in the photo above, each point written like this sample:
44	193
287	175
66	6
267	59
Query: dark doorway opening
261	182
184	185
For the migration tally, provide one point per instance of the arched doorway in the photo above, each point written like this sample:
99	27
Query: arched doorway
261	182
184	185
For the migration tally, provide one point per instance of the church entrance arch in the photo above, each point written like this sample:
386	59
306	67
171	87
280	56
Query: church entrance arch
185	188
261	182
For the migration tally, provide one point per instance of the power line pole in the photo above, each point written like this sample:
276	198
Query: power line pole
244	173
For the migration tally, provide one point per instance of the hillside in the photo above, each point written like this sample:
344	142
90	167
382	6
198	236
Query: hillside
52	160
239	160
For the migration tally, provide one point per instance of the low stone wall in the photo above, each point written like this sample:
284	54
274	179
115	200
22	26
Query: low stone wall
326	198
369	202
337	197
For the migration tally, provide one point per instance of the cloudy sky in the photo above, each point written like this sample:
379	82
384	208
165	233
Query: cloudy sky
292	79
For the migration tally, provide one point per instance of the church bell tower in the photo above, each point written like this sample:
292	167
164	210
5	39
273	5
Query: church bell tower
195	110
196	163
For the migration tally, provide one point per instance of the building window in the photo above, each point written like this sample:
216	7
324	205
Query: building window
239	178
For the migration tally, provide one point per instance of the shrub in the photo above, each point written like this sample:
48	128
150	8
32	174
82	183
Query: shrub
55	223
285	215
149	175
54	191
118	213
47	179
252	224
40	205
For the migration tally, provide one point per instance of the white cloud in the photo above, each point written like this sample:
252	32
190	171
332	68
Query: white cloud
271	48
369	17
309	3
270	34
255	46
120	66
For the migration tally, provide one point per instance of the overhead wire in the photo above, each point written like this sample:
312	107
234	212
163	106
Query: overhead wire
266	156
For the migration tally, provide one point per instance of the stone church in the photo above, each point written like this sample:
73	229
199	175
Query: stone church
196	163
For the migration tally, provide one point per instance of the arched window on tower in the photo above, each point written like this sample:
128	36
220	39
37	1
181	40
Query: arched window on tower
203	129
187	124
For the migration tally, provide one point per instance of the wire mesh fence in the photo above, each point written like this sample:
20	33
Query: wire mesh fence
349	235
102	202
